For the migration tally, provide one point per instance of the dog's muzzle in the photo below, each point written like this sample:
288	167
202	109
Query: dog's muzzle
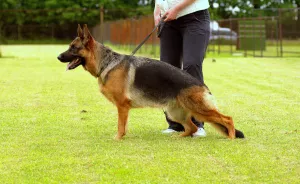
64	59
73	62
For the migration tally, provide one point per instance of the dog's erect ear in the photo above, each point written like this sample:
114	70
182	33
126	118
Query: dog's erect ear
79	31
87	37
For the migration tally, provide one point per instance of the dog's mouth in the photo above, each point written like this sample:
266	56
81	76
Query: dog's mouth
75	63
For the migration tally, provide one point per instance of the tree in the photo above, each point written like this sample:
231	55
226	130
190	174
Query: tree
223	9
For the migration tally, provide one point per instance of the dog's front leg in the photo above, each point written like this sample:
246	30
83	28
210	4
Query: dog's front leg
122	121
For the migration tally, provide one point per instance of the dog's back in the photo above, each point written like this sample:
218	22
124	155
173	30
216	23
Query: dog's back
156	81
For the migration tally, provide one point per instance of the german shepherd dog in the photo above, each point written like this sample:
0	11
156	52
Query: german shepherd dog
132	82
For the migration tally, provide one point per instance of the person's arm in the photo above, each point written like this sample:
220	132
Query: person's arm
171	14
156	14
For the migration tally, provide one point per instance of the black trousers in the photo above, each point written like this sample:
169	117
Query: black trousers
183	44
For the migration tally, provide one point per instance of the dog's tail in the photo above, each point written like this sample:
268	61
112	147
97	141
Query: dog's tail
223	130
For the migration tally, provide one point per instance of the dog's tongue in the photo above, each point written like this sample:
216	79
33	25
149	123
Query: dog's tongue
69	66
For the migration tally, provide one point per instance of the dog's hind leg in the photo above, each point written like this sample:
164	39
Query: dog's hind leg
199	102
224	124
178	114
189	127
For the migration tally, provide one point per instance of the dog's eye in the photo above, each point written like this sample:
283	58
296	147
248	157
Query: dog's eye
73	47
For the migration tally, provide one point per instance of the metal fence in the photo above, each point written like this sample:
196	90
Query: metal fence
278	32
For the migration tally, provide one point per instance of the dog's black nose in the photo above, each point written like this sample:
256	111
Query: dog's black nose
60	57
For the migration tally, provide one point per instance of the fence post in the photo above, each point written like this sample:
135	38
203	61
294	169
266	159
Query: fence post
52	32
280	32
254	36
230	35
131	33
0	33
277	36
153	42
219	40
19	32
101	23
260	39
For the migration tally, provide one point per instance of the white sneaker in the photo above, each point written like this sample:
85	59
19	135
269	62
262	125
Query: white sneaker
168	131
200	133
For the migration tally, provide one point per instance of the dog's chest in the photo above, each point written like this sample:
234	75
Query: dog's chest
114	87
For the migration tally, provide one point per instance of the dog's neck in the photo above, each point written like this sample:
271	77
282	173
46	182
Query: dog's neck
106	59
91	59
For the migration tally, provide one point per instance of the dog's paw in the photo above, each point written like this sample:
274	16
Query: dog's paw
118	137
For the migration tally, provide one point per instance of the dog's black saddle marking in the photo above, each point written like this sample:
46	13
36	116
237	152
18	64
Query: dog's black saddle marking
161	81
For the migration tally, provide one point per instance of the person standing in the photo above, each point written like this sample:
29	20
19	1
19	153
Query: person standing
184	36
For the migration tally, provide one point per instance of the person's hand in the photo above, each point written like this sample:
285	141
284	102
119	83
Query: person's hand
171	14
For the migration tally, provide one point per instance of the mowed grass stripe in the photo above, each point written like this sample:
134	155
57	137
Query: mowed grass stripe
259	76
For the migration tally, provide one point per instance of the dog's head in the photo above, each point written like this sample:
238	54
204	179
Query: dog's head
79	50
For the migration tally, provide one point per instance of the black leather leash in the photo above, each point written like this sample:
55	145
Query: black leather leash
159	26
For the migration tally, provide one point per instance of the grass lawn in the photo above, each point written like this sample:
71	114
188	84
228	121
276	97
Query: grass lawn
55	127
